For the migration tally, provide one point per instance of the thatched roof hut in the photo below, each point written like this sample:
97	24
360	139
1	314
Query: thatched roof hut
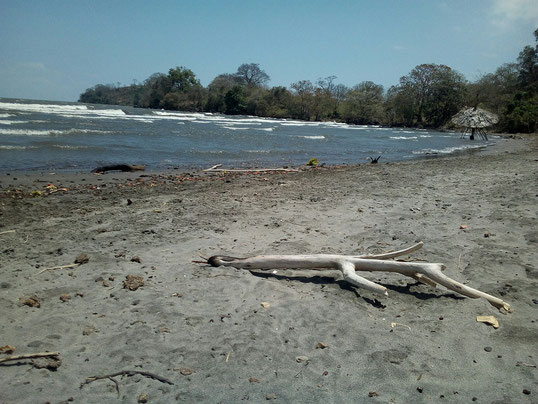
475	119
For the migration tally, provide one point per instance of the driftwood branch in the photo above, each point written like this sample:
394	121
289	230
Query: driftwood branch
29	356
216	168
59	267
119	167
429	273
127	373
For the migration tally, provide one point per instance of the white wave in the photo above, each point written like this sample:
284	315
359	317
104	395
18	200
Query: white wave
403	137
5	115
12	122
4	147
50	132
69	147
313	137
264	129
446	150
230	127
425	136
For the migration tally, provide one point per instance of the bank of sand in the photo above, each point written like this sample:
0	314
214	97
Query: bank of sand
205	330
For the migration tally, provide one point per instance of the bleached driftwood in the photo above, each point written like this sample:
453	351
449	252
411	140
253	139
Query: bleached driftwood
216	168
429	273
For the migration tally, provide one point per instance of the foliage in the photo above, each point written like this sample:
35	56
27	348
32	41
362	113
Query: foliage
428	96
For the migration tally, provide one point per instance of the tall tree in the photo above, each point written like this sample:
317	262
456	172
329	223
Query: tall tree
182	79
251	75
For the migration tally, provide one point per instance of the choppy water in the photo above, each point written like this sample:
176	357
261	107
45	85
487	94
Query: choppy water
44	135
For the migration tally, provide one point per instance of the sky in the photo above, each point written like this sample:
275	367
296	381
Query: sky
56	49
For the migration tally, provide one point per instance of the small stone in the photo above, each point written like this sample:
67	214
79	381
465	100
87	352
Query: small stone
322	345
136	258
133	282
526	392
300	359
65	298
143	398
106	284
420	389
271	396
185	371
32	301
488	348
373	394
474	399
82	259
89	329
253	380
52	363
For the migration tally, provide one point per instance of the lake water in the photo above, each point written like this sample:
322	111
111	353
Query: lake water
45	135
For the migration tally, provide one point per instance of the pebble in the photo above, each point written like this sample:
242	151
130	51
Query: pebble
488	348
526	392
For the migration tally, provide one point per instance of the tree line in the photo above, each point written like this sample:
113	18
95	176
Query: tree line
428	96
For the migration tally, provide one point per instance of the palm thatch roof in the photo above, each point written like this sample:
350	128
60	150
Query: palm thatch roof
474	118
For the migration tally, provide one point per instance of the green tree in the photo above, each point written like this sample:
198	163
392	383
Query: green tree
235	101
364	104
304	94
182	79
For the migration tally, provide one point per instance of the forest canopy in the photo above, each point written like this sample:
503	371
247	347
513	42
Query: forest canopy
428	96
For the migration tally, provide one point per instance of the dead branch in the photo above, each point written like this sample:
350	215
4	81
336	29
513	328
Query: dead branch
127	373
59	267
119	167
429	273
29	356
216	168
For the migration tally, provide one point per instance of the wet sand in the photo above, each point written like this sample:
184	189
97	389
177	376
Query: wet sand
315	338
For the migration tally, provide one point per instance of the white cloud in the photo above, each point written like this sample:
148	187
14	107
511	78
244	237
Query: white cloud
509	12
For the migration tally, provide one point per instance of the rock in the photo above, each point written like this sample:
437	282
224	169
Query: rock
322	345
271	396
526	392
373	394
133	282
52	363
89	329
32	301
82	259
136	258
64	298
185	371
143	398
488	348
253	380
300	359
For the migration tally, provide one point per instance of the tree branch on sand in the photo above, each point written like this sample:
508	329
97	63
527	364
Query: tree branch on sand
428	273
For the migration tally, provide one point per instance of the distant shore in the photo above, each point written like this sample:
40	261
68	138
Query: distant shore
314	338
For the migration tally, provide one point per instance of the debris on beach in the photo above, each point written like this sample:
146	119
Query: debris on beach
7	349
133	282
82	258
185	371
253	380
265	305
322	345
65	297
491	320
143	398
50	363
32	301
301	359
136	258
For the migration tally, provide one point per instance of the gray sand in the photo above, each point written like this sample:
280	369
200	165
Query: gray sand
205	329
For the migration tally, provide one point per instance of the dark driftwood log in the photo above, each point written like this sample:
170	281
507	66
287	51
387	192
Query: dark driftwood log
119	167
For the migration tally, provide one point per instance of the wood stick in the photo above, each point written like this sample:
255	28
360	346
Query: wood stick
7	231
216	168
29	356
58	267
127	373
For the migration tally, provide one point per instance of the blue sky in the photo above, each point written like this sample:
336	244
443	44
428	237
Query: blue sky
54	50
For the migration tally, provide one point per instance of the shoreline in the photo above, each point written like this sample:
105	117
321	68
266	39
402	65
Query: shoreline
229	335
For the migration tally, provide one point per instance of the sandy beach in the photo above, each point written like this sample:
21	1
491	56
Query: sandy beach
224	335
